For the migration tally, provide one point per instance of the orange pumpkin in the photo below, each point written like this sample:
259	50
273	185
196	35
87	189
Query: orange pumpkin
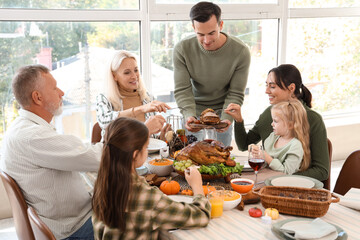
187	192
170	187
208	188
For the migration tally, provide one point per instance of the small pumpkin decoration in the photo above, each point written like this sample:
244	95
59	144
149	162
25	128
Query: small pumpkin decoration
170	187
272	212
187	192
208	188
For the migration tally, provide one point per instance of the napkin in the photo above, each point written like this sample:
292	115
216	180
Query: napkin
316	229
351	199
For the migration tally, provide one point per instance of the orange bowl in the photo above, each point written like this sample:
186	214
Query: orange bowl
242	185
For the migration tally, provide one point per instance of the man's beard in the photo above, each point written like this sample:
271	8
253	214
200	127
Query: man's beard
55	110
58	111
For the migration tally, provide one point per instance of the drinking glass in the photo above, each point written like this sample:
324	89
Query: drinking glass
164	152
216	199
210	133
256	158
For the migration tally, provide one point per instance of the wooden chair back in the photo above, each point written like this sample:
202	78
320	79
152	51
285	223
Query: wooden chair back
96	133
41	231
327	181
18	207
349	175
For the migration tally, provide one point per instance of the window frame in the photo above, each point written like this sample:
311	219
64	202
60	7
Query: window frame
149	11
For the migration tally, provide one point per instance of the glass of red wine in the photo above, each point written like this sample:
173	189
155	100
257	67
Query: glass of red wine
256	158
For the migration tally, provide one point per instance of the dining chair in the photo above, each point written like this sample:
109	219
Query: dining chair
18	207
41	231
327	181
349	174
96	133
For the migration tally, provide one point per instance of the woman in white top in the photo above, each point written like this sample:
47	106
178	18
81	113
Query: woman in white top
125	95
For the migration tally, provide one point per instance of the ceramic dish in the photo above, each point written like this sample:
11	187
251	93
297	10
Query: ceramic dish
181	198
275	228
317	183
155	145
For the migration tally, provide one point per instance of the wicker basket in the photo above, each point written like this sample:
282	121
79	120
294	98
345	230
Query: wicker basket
297	201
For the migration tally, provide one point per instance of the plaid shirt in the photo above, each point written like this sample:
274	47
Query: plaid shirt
105	113
150	211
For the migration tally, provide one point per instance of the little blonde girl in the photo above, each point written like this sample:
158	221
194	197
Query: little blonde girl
124	205
287	147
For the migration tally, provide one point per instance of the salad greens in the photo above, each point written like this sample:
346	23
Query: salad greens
216	169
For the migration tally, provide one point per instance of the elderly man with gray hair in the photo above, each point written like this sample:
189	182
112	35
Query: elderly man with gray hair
47	165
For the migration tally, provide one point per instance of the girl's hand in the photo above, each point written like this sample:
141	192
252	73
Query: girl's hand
155	106
164	130
193	177
234	110
155	124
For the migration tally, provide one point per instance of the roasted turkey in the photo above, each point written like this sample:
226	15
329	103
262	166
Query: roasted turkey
208	116
206	152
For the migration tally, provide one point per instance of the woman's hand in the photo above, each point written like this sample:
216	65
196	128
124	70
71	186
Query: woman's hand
155	124
234	110
155	106
193	177
164	130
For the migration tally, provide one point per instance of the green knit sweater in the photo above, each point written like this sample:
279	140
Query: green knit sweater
210	79
319	167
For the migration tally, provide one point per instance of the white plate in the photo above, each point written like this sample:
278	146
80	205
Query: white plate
181	198
275	228
318	184
243	161
155	145
293	182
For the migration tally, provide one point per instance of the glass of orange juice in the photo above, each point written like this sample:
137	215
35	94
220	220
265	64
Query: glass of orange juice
216	199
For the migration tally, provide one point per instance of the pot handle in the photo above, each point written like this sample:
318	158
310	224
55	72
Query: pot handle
256	191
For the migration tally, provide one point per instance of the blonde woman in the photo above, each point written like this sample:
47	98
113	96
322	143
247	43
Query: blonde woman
125	94
287	147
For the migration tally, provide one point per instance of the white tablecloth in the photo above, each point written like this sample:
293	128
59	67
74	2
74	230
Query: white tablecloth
237	224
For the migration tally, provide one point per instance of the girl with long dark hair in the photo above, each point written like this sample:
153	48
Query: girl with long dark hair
124	205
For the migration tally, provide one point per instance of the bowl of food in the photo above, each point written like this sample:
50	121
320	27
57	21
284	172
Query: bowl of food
231	199
242	185
161	167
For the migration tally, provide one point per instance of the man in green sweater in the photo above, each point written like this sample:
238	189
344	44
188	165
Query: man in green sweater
210	69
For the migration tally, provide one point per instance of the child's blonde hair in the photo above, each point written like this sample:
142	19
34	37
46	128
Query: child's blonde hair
294	114
112	88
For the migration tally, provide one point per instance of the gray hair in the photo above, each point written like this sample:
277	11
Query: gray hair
27	80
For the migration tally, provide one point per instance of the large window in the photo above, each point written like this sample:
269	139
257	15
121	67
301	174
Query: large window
75	4
327	52
75	39
75	52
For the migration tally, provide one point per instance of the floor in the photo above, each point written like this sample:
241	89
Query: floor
7	229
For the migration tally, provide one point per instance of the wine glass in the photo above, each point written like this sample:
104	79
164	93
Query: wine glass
210	133
164	152
256	158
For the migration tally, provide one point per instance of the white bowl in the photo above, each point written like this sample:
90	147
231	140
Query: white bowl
161	171
141	170
228	205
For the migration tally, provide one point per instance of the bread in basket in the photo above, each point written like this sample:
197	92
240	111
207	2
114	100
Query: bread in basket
296	200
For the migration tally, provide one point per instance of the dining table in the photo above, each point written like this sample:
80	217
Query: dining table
237	224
